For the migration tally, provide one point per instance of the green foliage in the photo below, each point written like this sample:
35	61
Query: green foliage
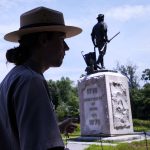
65	98
137	105
123	146
73	106
65	88
129	71
62	111
54	91
146	75
146	90
140	102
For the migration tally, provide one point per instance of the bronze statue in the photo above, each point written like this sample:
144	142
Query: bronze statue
100	38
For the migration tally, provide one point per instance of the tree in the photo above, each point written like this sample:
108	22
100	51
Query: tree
54	92
65	97
146	75
129	71
62	111
136	97
146	100
65	88
137	105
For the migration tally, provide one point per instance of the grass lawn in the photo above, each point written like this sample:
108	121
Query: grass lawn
141	125
123	146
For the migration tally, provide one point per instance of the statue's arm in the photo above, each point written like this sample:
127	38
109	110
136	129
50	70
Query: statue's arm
93	37
105	32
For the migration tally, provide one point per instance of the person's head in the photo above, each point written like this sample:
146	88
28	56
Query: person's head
47	47
41	36
100	17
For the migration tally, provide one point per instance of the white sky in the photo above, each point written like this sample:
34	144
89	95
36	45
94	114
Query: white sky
130	17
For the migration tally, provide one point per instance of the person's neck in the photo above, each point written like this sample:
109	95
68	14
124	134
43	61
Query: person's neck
36	66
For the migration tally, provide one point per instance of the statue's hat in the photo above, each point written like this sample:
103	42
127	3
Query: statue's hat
100	16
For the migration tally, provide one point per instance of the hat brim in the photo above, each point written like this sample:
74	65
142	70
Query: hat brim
70	31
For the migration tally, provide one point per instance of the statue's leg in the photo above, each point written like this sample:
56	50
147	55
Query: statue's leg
102	62
102	56
98	60
101	59
100	46
105	48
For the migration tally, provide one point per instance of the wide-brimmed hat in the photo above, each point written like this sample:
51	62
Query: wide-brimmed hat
42	19
100	16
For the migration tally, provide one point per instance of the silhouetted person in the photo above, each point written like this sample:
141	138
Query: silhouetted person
99	38
27	116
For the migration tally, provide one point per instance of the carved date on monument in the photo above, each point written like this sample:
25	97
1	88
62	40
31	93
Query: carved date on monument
120	108
92	98
94	122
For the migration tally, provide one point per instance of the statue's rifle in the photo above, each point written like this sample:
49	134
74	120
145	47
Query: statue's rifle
114	36
109	41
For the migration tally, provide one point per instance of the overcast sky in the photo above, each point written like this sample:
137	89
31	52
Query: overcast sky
130	17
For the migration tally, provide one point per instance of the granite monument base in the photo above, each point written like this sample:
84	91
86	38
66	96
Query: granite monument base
104	104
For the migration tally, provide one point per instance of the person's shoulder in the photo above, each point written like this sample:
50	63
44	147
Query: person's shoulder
22	74
26	72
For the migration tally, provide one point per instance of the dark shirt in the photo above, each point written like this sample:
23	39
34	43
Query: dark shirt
27	118
99	32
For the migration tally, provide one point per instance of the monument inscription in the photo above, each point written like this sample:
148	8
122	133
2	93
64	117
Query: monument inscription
92	98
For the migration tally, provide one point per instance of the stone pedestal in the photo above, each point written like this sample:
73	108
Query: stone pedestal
104	104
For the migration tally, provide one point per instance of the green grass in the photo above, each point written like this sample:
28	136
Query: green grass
141	125
98	147
123	146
